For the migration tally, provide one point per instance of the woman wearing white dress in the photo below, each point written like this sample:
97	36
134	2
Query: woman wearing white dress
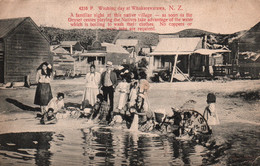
123	89
91	86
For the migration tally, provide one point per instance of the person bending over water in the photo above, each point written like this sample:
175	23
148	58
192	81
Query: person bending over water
142	116
48	117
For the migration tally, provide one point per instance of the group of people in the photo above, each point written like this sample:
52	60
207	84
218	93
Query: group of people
49	105
100	89
132	110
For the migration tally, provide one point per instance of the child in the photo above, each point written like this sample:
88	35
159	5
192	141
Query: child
123	88
100	110
48	117
210	113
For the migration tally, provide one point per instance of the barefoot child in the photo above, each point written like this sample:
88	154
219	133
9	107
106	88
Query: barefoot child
210	114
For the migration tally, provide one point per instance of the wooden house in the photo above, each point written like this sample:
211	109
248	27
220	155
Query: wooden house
71	46
244	52
63	62
210	63
23	47
131	45
172	52
99	54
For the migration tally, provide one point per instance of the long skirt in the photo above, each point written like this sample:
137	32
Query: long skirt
43	94
122	100
90	95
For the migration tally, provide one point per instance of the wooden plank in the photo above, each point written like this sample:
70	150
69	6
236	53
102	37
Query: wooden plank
25	49
174	66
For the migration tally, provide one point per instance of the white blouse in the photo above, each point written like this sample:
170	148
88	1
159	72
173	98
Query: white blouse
93	80
42	78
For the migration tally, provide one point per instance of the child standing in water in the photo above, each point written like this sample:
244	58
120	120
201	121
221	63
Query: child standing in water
210	113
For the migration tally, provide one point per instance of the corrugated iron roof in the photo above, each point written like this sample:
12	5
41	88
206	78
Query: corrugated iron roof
209	52
68	43
127	42
8	25
60	50
176	45
112	48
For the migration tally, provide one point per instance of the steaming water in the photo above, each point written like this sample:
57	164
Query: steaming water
105	146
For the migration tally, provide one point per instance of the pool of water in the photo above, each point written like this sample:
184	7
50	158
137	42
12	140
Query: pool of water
106	146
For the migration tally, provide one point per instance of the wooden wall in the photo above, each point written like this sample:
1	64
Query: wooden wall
25	49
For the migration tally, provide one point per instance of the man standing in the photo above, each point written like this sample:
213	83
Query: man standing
108	85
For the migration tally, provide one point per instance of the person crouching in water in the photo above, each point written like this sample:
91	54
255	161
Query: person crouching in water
210	113
100	110
48	117
142	116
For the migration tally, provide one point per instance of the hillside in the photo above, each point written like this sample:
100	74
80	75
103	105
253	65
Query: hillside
146	39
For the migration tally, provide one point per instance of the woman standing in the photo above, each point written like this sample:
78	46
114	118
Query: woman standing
91	87
43	91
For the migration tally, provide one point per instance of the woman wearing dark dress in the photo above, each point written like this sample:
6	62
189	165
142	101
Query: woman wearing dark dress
43	91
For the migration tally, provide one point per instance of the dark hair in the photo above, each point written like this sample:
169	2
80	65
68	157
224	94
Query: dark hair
93	66
139	109
143	75
50	110
49	71
60	95
100	97
211	98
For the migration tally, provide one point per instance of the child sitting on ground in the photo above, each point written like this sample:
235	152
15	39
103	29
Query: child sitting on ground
210	114
48	117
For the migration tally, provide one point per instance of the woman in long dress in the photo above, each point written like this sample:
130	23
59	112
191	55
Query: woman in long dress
123	89
43	91
91	86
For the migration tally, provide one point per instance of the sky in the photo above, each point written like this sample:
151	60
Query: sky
218	16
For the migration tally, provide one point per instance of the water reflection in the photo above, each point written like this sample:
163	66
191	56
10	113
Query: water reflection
26	147
106	146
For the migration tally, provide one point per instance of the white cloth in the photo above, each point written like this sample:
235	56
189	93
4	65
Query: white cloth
55	104
42	78
123	88
213	117
91	87
134	125
133	96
